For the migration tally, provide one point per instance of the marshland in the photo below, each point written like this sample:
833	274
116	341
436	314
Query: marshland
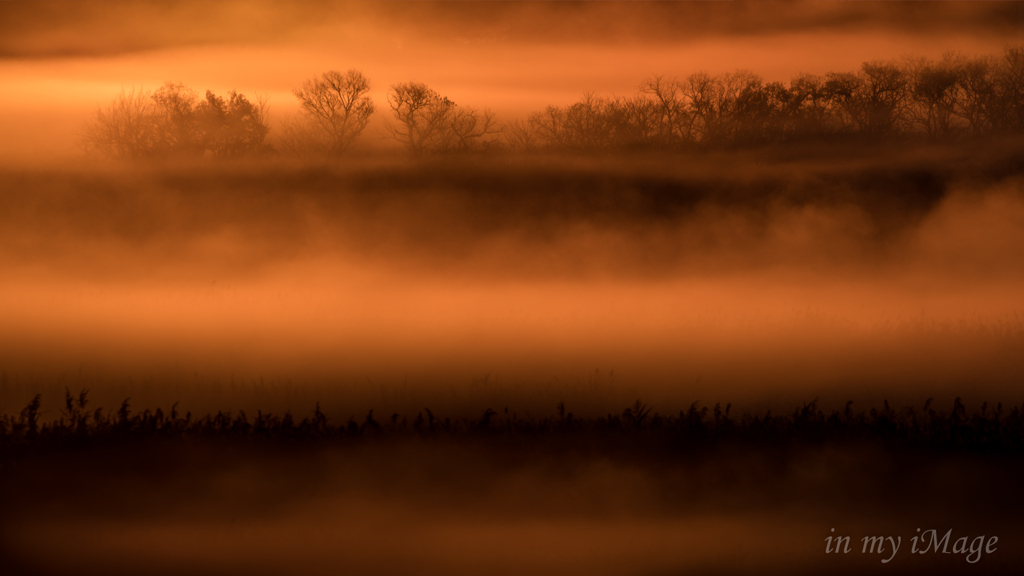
519	287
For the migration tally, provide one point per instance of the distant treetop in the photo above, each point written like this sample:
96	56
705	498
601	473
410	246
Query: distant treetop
175	122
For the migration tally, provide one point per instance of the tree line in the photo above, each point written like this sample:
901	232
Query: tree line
953	97
175	121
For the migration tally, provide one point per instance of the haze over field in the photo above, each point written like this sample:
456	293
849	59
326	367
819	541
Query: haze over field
386	285
415	258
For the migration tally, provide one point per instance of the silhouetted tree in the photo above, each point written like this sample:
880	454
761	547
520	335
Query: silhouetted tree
125	128
635	122
934	93
942	99
1009	107
429	122
462	129
871	102
842	91
808	113
587	124
337	106
757	110
975	99
234	127
672	121
521	136
174	122
705	99
420	111
711	102
884	98
177	122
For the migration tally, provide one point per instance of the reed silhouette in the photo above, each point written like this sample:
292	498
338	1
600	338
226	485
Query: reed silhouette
987	430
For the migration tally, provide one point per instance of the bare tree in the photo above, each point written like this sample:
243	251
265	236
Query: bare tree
885	98
756	110
586	125
706	101
522	135
934	94
337	104
421	113
234	127
175	122
874	101
429	122
636	121
463	128
842	92
808	109
975	99
1009	113
297	136
881	99
673	122
588	122
125	128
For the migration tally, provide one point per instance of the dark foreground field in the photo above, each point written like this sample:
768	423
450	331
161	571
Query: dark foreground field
696	492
